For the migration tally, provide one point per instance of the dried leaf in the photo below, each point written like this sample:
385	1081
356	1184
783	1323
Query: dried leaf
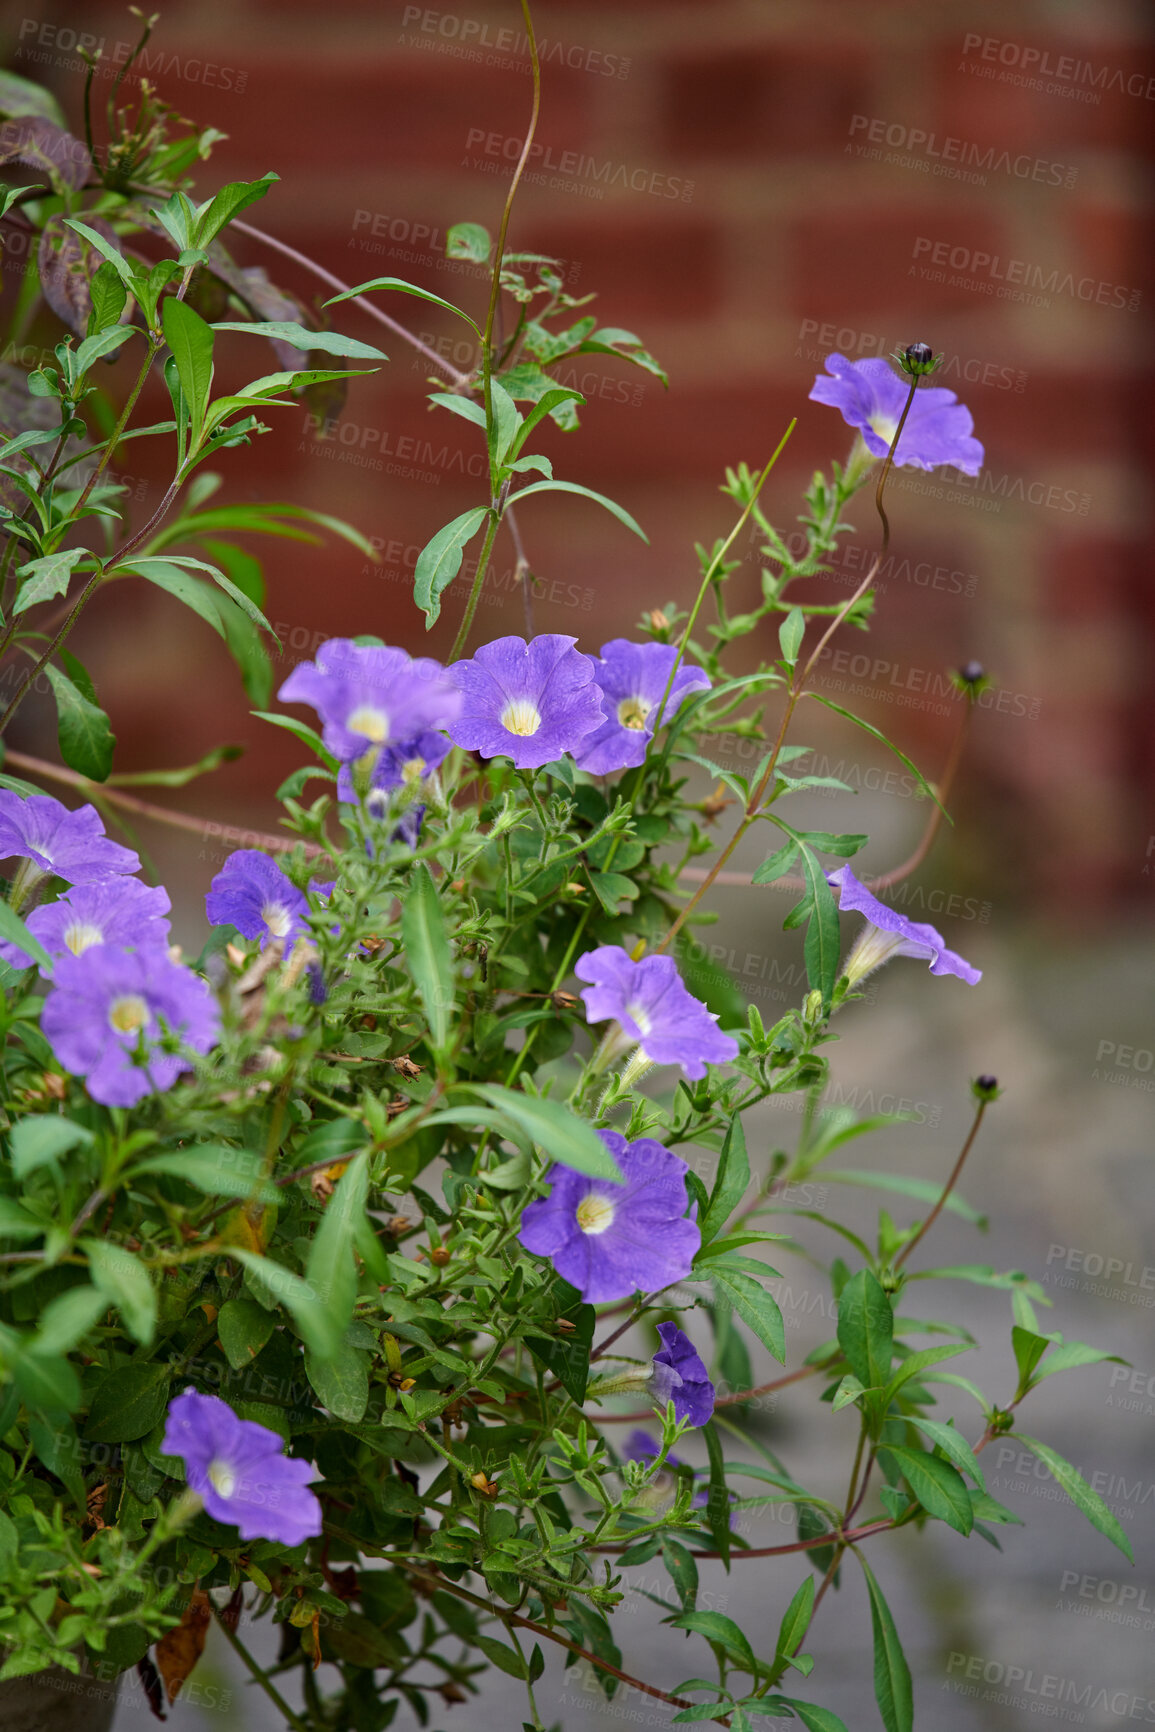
150	1684
44	145
67	265
178	1650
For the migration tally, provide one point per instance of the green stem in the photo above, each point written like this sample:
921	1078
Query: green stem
460	640
270	1689
154	348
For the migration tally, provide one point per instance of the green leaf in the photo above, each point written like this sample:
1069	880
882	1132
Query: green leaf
936	1484
125	1283
466	241
758	1309
217	212
568	1355
83	730
814	1718
551	1124
730	1181
109	298
167	575
128	1403
905	1185
244	1328
103	343
866	1329
796	1621
402	288
506	1659
848	1391
610	505
777	865
332	1268
217	1170
439	561
306	1305
463	406
301	731
191	342
14	930
108	251
1088	1502
47	577
300	337
506	421
952	1443
877	734
823	942
916	1363
718	1507
427	952
176	778
341	1381
1029	1349
790	635
37	1141
1068	1355
66	1320
234	592
892	1686
723	1632
545	405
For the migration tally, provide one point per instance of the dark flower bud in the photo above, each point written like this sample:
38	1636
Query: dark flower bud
970	680
318	992
986	1088
918	359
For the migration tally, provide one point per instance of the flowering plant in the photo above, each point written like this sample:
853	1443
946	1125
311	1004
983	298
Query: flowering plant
315	1249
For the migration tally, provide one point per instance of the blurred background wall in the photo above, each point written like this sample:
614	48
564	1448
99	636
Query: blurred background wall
748	186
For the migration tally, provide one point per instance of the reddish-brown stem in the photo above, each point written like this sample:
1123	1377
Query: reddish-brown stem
849	1537
946	1190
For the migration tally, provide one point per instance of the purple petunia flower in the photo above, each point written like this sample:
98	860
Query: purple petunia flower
652	1006
527	701
679	1376
397	766
251	893
939	429
240	1470
632	678
610	1240
103	1020
889	933
367	695
71	844
119	911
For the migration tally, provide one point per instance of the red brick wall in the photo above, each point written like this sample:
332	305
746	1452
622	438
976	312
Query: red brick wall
750	220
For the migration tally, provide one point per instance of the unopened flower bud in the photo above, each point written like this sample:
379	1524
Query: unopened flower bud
971	679
986	1088
440	1255
658	620
918	359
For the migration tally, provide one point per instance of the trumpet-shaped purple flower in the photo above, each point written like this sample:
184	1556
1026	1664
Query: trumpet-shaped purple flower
251	893
367	695
610	1240
939	429
239	1469
112	1012
71	844
679	1376
652	1006
889	933
632	678
526	701
397	766
120	911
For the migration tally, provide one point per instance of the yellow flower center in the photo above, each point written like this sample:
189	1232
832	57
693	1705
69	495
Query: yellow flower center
640	1016
367	719
277	918
521	717
884	426
412	770
223	1477
128	1013
594	1213
633	712
80	936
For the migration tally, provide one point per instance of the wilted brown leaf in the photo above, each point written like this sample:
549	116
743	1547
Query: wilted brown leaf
178	1650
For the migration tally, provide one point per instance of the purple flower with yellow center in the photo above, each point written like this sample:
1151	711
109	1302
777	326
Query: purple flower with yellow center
369	696
119	911
397	767
527	701
889	933
653	1008
240	1471
70	844
679	1376
633	678
610	1240
113	1014
252	893
871	396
